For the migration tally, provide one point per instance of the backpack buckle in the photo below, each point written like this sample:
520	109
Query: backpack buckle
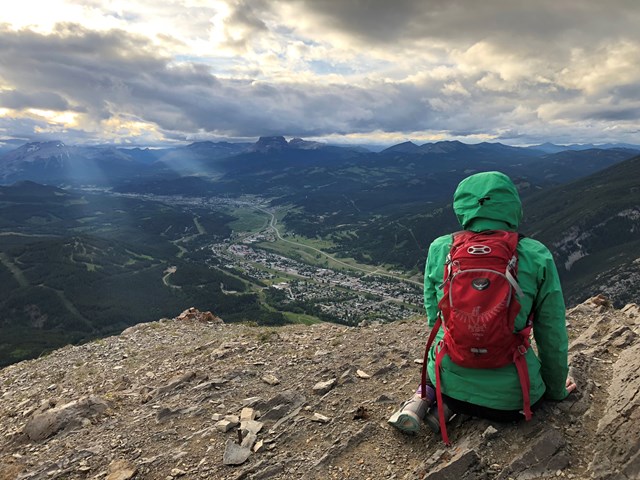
479	250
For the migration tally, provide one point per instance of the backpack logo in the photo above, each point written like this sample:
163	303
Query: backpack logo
479	250
480	283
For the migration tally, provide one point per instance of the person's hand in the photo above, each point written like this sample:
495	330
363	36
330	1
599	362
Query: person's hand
571	384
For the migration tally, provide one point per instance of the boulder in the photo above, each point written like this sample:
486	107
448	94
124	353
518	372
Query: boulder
193	314
70	415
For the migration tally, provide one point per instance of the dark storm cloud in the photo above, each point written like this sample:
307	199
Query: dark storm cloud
469	21
43	100
611	114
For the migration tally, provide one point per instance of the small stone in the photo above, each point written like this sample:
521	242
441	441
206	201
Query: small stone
234	419
121	470
346	377
631	309
384	398
217	417
418	361
323	387
362	374
235	454
490	432
270	379
251	401
251	426
176	472
258	446
224	426
386	369
317	417
247	414
249	440
345	374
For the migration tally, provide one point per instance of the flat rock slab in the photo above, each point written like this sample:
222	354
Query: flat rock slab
618	440
249	440
235	454
174	383
458	468
318	417
544	458
251	426
323	387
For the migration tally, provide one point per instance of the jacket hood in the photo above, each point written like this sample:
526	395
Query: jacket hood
487	200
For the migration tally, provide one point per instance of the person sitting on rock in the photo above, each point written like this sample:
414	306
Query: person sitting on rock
489	202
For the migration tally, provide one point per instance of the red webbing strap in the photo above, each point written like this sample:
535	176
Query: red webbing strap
520	360
523	373
432	336
441	350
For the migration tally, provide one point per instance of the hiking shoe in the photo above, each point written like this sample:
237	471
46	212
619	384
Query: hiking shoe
432	419
407	418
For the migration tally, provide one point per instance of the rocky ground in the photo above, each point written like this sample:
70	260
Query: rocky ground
194	398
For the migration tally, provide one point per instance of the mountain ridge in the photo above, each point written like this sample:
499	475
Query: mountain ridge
591	226
55	162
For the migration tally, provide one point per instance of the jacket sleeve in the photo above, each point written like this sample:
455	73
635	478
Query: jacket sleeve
549	329
433	275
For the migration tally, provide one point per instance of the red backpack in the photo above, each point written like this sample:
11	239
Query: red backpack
478	310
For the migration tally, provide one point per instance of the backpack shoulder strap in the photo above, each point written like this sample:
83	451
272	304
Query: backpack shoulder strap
512	267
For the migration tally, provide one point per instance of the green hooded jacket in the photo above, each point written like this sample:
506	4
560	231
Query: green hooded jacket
500	388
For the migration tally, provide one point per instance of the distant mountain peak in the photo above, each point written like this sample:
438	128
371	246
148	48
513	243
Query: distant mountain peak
52	154
304	144
203	143
35	146
268	144
404	147
445	146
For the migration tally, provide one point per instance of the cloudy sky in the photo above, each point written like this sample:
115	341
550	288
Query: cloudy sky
381	71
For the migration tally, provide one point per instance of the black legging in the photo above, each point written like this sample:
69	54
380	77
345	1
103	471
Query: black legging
493	414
